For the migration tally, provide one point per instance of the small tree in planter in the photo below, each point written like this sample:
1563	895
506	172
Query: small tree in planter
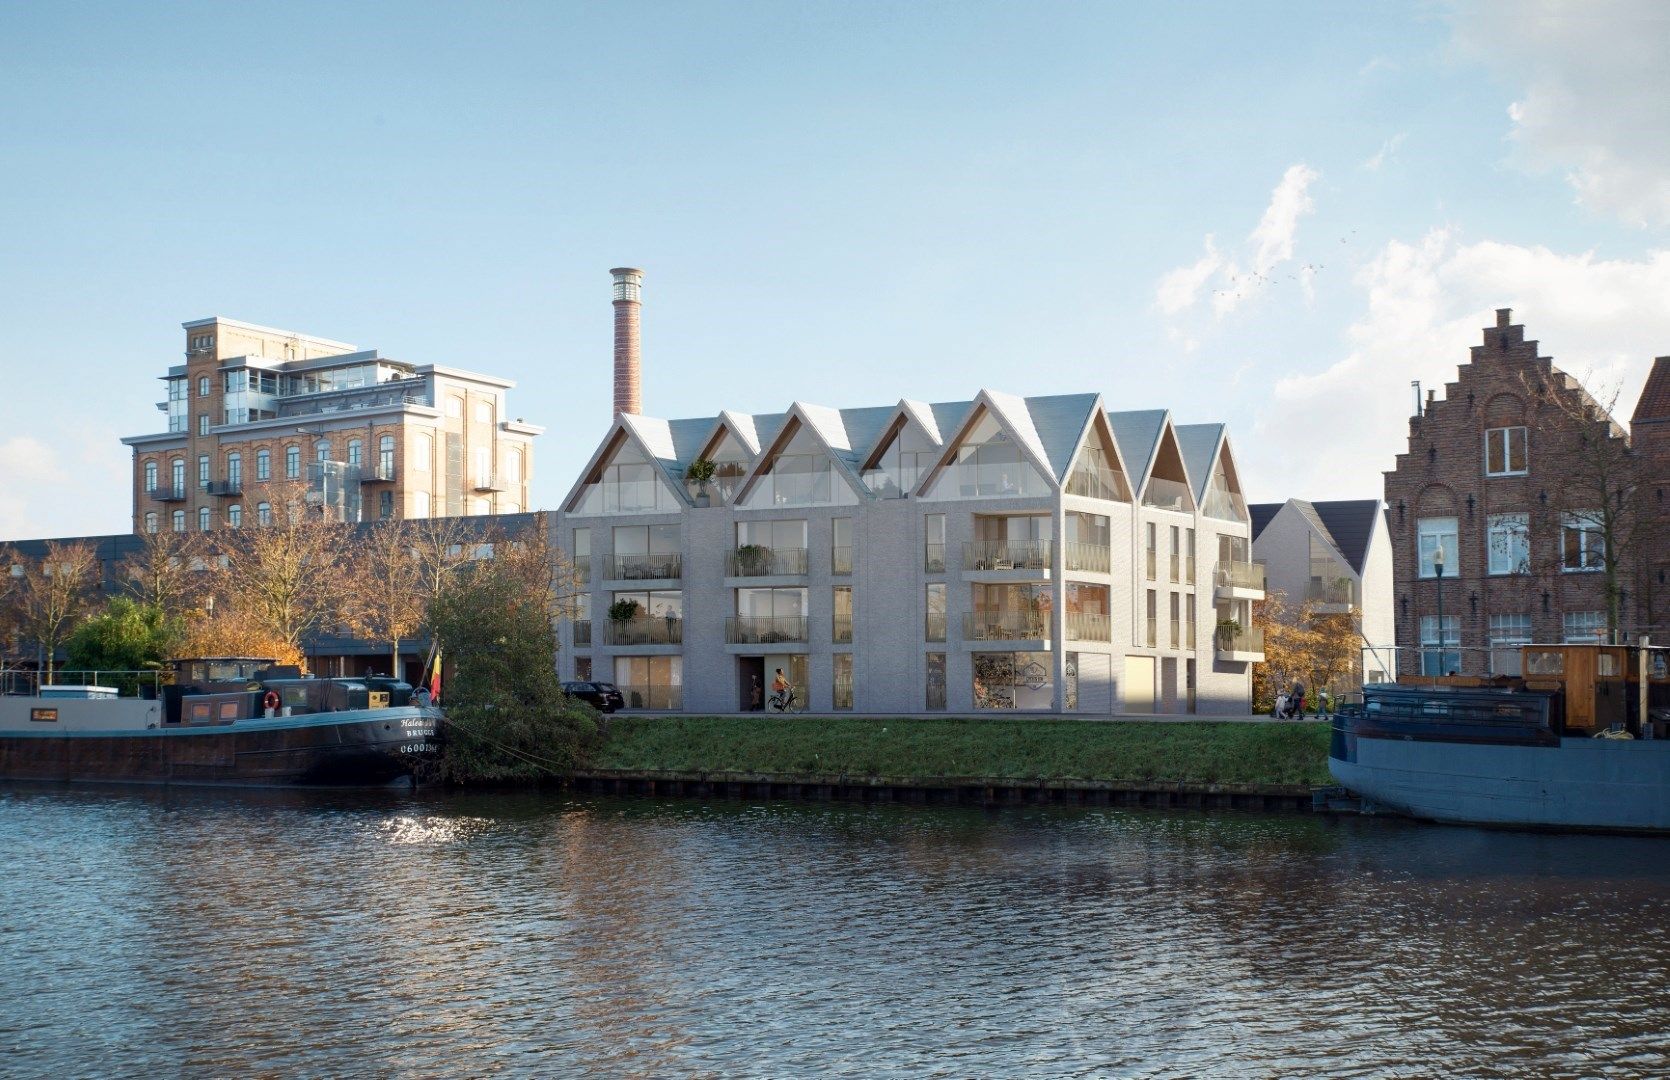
753	559
622	611
700	472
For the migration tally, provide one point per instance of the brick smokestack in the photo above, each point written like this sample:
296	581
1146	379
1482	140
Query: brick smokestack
628	382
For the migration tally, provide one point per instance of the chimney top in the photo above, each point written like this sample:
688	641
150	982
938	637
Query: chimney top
628	281
1504	318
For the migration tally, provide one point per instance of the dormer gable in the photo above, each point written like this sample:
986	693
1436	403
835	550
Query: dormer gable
625	476
800	468
989	458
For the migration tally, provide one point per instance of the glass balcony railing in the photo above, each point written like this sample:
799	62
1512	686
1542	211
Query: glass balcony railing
644	630
646	567
1337	592
1241	575
1007	555
840	560
658	698
1089	626
1152	640
764	629
1176	568
755	560
1090	558
1247	639
1163	494
1005	626
1151	564
1097	483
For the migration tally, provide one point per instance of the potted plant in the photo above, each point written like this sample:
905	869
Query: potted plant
700	472
623	611
753	559
1229	630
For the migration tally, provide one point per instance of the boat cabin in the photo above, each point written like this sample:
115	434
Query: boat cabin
1596	688
225	689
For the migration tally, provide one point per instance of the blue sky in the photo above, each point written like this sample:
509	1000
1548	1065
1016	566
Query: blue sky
841	203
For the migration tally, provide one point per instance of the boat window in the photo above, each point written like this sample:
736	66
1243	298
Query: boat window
47	716
1508	710
1544	662
1607	664
1435	708
293	695
229	710
200	712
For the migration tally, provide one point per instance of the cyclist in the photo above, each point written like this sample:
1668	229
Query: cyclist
782	691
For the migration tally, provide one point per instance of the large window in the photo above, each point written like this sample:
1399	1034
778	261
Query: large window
177	473
1022	680
235	516
1087	542
895	470
1439	653
840	546
933	554
204	520
234	469
657	618
1088	613
841	627
354	454
628	484
263	464
843	681
150	476
764	548
730	465
292	462
934	628
178	521
203	471
1582	542
1507	633
385	455
1509	540
151	522
935	697
643	552
1010	543
765	616
988	464
1584	627
263	513
1433	534
1504	451
650	682
801	480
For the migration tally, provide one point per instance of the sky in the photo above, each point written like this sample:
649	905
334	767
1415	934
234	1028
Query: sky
1272	215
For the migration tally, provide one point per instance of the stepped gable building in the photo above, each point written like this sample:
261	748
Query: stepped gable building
1337	558
1001	552
1650	436
253	408
1495	487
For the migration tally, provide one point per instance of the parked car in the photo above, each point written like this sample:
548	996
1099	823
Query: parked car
602	696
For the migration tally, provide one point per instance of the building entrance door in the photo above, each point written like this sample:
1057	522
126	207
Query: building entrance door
750	683
1139	684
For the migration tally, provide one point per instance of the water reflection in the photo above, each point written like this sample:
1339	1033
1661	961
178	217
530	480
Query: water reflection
275	932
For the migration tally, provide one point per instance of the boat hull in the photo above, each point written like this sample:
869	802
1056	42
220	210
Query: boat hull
361	748
1576	783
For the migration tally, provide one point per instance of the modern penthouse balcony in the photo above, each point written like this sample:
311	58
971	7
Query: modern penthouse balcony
1240	644
1089	558
1239	581
1005	626
665	567
1163	494
644	630
1093	482
659	698
232	485
756	560
1089	626
377	474
167	494
1007	555
380	395
765	629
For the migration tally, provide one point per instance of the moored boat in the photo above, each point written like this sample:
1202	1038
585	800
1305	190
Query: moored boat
1578	742
230	721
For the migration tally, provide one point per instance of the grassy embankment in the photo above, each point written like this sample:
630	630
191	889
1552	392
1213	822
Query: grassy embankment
1013	749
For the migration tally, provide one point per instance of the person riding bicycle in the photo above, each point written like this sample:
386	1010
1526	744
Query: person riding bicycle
782	691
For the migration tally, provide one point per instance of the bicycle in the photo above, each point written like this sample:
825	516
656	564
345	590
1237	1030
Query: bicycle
784	700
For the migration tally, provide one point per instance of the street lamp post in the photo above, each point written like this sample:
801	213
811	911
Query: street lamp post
1438	570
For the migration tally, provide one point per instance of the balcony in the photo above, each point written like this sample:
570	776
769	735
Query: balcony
658	698
1332	595
841	631
582	631
486	483
644	630
1239	581
755	560
1093	482
1005	626
1163	494
232	485
1089	626
1007	555
840	560
1240	643
765	629
377	474
1088	558
668	566
167	494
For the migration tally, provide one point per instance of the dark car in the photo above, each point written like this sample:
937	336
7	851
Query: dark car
601	696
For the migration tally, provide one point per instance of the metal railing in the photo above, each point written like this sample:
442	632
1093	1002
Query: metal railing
582	631
933	628
378	474
1005	626
1091	558
1336	591
644	630
1007	555
1248	639
841	631
129	683
933	558
754	560
660	698
232	485
1089	626
664	567
1240	575
840	560
764	629
167	494
582	569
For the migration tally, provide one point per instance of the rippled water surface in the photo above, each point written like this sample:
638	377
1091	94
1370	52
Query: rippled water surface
278	934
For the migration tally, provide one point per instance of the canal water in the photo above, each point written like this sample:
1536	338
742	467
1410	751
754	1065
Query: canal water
218	934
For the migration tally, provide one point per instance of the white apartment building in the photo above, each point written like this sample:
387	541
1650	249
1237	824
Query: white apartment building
1027	554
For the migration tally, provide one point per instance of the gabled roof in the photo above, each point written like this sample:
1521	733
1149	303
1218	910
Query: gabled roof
1347	525
1013	416
1199	445
1261	514
1060	422
652	436
1654	403
826	427
1138	436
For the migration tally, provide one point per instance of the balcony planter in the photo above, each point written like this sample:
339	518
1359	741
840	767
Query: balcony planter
754	560
623	611
1228	630
700	472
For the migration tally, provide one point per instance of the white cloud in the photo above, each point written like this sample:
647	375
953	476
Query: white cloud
35	470
1592	93
1387	152
1271	242
1329	433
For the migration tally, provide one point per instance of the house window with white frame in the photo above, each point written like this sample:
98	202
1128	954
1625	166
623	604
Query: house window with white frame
151	522
1433	534
1439	653
1582	542
1507	633
150	476
1584	627
1509	543
1504	451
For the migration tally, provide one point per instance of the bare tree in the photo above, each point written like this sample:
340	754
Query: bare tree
53	593
386	598
168	572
